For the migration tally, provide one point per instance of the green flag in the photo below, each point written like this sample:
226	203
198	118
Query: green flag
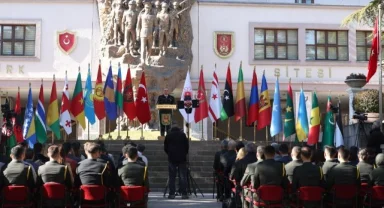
228	107
289	121
118	92
40	120
329	126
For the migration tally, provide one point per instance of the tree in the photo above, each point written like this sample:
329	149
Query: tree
365	15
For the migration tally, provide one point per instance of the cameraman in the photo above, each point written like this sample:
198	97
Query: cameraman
176	146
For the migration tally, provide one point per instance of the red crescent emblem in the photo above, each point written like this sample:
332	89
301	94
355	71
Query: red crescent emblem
66	41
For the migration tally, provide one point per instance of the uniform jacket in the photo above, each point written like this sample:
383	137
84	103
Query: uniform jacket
93	172
328	165
249	171
19	173
376	177
227	160
270	172
307	174
53	171
365	170
133	174
290	168
343	173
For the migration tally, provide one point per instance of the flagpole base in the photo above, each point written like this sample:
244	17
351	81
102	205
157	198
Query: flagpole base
100	137
241	138
142	138
118	137
127	138
109	137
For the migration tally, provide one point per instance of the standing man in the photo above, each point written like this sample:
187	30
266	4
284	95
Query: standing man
165	114
176	146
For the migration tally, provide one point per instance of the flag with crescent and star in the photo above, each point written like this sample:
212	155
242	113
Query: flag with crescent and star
77	103
129	102
240	109
186	96
109	96
228	109
289	121
88	99
264	105
53	121
314	122
302	128
98	96
329	125
372	64
201	112
65	117
143	112
40	120
215	99
276	123
29	133
253	106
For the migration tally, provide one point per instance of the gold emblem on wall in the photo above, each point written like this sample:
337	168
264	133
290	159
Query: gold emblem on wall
223	44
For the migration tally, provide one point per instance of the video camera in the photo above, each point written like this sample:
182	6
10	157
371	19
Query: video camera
360	116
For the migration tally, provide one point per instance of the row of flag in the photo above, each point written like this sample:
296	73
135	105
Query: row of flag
107	101
260	111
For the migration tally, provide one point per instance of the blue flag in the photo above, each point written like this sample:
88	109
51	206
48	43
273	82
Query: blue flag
29	132
276	124
88	98
109	97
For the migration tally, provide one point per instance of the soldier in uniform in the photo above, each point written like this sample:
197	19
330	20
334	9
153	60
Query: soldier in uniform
129	26
307	174
146	29
17	171
296	162
330	160
53	171
92	171
377	175
269	171
364	166
164	21
343	173
132	173
174	24
165	114
117	22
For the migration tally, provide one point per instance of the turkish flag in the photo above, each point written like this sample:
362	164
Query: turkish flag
372	64
143	112
202	111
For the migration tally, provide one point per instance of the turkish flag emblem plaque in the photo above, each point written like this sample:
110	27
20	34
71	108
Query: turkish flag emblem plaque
224	44
66	41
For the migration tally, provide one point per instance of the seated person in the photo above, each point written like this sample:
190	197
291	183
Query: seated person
226	161
91	171
29	155
296	162
376	177
132	173
218	169
140	149
284	154
39	156
307	174
269	171
238	168
330	160
17	172
343	173
53	171
365	168
249	171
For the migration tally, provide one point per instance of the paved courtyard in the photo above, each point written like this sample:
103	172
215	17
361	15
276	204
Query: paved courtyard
156	200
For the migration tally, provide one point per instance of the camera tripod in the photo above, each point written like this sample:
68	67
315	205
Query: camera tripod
192	186
360	129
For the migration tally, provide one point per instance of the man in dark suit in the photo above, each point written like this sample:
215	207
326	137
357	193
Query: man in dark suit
330	160
132	173
17	172
38	149
227	160
296	162
377	175
91	171
284	154
176	146
239	167
307	174
365	168
52	171
218	169
165	114
343	173
269	171
250	148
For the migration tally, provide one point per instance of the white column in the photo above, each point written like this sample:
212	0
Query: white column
352	92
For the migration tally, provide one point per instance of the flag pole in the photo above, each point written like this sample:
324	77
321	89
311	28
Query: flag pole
109	130
241	129
118	117
254	132
142	130
228	127
266	135
381	71
88	130
127	138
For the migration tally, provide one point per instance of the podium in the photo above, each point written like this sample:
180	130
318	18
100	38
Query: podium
165	107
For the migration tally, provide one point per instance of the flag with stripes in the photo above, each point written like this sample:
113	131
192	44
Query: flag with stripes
40	123
215	99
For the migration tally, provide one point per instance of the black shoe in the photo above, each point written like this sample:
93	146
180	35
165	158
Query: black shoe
184	196
171	196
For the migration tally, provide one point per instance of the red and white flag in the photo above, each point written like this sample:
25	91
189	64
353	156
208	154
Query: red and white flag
143	112
215	99
65	117
372	64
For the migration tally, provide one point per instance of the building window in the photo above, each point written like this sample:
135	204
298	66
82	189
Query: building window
363	45
305	1
275	44
326	45
17	40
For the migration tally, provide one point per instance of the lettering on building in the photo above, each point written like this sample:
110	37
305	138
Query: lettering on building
307	73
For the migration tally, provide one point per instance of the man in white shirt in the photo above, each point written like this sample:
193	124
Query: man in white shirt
140	149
